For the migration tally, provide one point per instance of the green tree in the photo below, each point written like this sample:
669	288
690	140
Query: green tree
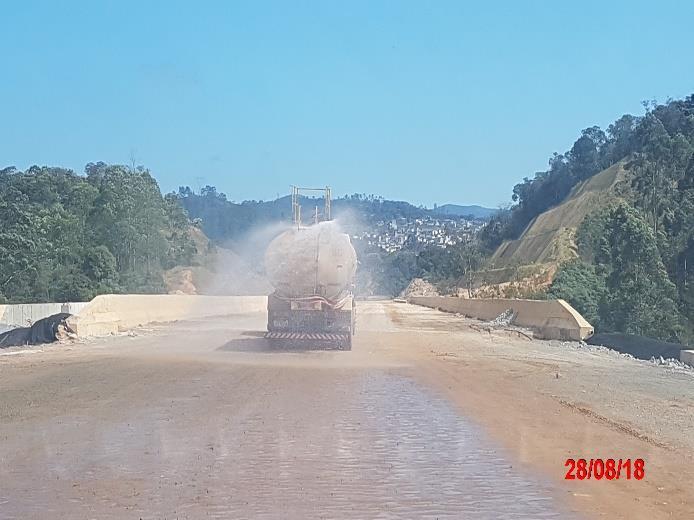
658	168
579	284
67	236
130	220
639	296
181	248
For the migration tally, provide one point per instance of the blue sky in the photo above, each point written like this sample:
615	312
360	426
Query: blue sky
427	102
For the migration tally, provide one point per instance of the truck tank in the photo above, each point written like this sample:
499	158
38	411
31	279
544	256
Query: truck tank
315	261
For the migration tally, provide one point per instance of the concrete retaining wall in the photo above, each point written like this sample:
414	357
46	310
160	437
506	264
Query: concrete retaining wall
110	313
550	319
23	315
640	347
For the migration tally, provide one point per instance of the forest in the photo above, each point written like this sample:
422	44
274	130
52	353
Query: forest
68	237
634	270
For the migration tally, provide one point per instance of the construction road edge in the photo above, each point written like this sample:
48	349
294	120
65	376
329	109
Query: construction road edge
549	319
111	313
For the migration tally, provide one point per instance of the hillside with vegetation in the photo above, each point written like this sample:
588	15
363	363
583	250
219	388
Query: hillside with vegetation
631	227
67	237
613	217
224	220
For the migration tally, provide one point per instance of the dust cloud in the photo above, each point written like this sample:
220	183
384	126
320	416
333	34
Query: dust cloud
237	269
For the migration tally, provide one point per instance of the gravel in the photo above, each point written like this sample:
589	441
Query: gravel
670	363
504	319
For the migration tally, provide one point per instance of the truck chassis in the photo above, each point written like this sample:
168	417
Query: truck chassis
312	322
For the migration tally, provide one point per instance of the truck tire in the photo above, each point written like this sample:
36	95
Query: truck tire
348	342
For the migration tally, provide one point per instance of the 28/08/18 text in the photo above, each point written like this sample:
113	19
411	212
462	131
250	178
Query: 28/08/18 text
610	469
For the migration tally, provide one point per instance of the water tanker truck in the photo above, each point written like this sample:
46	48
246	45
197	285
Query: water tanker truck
312	271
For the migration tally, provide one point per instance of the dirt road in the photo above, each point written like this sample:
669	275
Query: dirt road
425	418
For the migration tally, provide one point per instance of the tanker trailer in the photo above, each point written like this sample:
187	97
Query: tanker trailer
312	270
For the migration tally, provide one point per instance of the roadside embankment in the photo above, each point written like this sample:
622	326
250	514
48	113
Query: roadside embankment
550	319
111	313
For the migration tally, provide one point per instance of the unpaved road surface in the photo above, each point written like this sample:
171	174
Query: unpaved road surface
427	417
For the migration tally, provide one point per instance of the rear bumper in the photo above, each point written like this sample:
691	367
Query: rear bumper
311	341
318	336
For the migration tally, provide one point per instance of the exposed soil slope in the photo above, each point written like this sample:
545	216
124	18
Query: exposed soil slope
550	236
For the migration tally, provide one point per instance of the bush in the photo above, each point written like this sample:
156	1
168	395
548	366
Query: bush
579	284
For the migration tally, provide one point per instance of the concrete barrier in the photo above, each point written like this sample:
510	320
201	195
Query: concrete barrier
550	319
24	314
687	356
110	313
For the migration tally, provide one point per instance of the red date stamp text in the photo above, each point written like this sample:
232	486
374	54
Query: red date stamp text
608	469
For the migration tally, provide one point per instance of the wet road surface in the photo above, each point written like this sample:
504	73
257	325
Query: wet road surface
192	424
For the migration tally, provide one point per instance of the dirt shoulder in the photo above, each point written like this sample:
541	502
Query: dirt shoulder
548	401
